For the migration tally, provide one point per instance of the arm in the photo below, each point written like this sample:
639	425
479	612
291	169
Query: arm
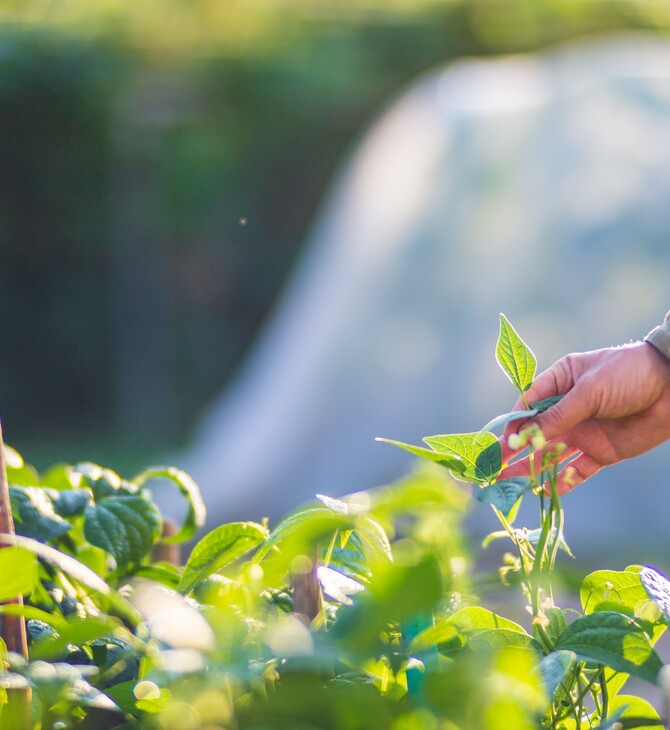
616	405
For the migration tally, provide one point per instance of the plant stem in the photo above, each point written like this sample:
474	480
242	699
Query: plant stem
17	712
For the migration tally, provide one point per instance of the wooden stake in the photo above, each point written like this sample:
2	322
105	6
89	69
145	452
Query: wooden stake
16	714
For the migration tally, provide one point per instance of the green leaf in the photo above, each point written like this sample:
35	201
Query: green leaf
613	587
18	568
197	512
614	640
76	571
555	669
504	418
34	514
163	573
374	541
432	636
76	632
498	638
300	531
449	461
32	613
18	472
220	548
504	494
71	502
544	405
126	527
480	454
514	356
635	712
557	622
395	593
476	618
477	626
102	482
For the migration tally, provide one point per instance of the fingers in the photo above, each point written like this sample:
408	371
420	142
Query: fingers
575	407
522	467
556	380
576	472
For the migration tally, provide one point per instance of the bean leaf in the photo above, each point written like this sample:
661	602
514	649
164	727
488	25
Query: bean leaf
220	548
480	453
125	527
514	356
197	512
504	494
34	514
449	460
612	639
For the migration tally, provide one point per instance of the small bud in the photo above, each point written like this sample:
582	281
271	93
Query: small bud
540	619
539	441
515	442
570	476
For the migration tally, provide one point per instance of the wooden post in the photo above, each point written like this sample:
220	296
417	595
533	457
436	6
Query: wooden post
16	715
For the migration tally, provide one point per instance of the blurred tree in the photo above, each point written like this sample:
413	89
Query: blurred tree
161	162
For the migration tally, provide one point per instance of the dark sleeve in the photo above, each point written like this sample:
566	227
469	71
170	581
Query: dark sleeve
659	337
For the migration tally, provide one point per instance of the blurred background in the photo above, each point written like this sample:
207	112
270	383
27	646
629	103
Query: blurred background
249	236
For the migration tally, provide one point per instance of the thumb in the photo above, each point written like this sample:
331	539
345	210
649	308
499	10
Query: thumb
571	410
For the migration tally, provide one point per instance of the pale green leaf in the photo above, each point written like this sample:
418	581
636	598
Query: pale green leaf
220	548
18	568
480	453
514	356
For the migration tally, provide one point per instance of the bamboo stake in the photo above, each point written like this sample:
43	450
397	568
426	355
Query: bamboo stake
16	714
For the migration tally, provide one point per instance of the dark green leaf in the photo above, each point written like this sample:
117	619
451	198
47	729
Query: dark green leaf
220	548
504	494
126	527
34	514
614	640
197	512
102	482
71	502
480	453
75	570
76	632
514	356
544	405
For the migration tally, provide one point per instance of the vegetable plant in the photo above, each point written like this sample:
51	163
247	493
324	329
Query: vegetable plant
352	613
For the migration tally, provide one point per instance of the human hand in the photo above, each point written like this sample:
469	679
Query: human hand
616	405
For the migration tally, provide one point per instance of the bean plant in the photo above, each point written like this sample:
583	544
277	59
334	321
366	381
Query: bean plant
350	614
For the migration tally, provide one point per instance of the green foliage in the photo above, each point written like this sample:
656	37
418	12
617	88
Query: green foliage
350	613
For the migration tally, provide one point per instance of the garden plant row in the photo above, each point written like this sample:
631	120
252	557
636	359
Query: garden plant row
350	614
